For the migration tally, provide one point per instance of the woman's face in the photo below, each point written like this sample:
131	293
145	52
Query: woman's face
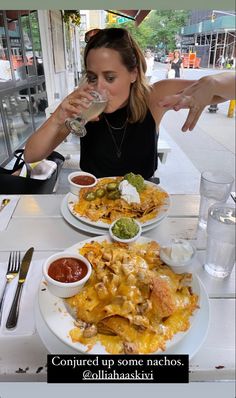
105	71
176	54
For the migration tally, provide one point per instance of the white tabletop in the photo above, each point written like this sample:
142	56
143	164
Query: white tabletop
37	222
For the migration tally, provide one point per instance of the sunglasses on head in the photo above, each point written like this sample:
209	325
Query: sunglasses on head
111	33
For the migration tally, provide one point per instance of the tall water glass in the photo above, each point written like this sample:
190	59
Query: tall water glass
220	253
215	187
96	107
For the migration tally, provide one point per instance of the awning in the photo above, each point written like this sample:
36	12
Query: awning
135	15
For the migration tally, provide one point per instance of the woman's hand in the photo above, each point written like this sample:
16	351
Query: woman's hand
195	97
73	104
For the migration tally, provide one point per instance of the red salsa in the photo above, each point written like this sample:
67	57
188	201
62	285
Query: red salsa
67	270
83	180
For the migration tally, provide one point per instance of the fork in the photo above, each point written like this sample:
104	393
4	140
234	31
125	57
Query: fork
12	271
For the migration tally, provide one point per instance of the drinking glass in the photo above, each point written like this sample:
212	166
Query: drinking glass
220	253
96	107
215	187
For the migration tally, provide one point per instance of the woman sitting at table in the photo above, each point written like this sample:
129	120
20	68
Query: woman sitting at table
124	137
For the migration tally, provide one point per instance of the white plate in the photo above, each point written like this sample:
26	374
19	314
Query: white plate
75	222
60	322
79	224
162	212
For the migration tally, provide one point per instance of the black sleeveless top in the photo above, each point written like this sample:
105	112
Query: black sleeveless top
138	151
176	67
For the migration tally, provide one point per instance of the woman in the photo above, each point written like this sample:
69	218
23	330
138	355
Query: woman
124	139
176	64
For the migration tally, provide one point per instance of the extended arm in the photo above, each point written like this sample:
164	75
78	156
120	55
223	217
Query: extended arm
196	95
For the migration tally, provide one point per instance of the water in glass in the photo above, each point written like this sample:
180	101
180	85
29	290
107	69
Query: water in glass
215	187
220	255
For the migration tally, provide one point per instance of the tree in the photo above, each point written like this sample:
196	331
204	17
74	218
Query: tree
165	25
141	33
158	30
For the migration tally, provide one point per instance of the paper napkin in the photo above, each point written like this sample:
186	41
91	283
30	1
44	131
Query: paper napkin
26	320
41	170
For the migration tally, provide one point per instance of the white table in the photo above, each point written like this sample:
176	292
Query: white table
37	222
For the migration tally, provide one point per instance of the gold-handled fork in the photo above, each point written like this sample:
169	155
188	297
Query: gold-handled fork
12	271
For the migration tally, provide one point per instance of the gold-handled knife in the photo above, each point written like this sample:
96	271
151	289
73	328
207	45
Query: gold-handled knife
14	311
4	203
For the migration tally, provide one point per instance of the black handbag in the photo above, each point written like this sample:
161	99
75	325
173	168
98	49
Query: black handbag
13	184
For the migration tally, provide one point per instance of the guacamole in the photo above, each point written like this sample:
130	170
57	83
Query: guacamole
136	180
125	228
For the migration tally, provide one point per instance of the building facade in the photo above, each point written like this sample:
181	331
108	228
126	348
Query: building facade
211	34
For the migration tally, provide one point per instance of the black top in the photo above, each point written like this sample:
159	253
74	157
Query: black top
138	152
176	67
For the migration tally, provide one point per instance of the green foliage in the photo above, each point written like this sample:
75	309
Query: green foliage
35	31
165	25
30	26
158	30
72	16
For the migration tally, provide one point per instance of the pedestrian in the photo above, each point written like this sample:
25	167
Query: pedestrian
220	62
176	64
150	63
124	138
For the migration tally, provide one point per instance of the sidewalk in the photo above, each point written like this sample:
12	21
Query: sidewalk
210	146
178	175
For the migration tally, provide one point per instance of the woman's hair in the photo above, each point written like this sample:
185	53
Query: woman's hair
120	40
178	52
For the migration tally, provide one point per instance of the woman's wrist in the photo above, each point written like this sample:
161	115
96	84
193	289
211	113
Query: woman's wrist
57	121
209	85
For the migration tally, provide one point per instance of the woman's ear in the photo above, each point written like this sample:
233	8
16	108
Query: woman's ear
133	75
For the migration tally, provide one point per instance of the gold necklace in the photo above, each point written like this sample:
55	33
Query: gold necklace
116	128
110	127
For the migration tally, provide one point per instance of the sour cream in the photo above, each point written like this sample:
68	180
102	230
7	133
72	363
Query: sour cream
179	252
128	192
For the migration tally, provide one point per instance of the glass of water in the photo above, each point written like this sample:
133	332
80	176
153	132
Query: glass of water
96	107
215	187
220	253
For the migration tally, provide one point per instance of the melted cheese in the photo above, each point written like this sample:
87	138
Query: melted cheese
143	208
131	298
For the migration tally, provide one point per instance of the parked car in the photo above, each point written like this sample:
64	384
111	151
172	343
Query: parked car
164	59
157	57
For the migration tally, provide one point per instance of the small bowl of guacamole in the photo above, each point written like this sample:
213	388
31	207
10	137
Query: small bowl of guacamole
125	229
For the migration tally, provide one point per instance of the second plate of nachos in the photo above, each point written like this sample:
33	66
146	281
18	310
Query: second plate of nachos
133	303
101	205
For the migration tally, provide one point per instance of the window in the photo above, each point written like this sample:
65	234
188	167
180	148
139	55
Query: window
5	66
23	97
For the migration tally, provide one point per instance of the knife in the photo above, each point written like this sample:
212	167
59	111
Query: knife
4	203
14	311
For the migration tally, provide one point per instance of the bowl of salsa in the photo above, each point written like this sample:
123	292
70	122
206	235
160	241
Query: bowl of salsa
66	273
81	179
